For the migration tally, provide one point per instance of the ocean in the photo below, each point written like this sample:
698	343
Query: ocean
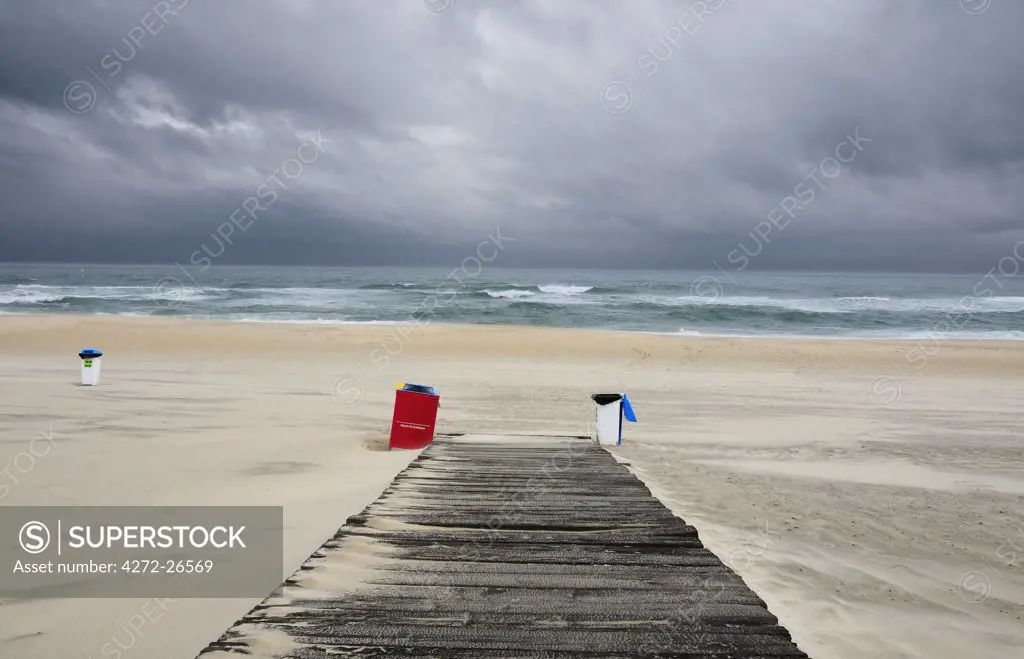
874	306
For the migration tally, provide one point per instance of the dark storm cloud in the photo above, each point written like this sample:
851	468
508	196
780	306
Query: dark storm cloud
638	134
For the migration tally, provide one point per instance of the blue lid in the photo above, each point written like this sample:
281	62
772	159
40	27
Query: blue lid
90	352
627	409
420	389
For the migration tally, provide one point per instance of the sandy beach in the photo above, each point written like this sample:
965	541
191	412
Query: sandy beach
872	493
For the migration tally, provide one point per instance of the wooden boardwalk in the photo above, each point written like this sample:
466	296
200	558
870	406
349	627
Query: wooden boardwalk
512	547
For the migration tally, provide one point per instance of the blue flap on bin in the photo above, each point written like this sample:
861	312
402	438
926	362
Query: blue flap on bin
419	389
627	409
90	353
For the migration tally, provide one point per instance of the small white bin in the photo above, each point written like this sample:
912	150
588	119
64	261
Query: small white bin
610	410
91	360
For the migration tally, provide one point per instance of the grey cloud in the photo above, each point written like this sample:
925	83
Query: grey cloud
444	127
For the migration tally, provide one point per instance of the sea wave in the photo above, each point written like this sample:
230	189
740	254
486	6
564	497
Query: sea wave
35	293
879	335
801	307
863	298
512	294
25	296
11	279
547	291
561	289
389	287
848	305
265	318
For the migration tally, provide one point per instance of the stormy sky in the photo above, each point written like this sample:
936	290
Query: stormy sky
792	134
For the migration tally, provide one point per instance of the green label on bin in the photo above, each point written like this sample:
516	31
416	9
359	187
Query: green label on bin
87	363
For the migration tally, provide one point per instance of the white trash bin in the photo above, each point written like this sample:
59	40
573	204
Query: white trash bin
610	410
91	360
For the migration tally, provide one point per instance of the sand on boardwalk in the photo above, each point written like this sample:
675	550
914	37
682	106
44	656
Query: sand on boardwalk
871	492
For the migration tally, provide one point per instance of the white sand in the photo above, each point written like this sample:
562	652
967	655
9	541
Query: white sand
869	531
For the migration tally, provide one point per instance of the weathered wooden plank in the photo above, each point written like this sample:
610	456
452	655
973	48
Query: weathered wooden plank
527	548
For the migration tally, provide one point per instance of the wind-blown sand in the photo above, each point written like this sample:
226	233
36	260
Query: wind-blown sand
872	493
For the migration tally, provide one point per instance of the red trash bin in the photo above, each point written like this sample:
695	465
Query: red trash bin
412	426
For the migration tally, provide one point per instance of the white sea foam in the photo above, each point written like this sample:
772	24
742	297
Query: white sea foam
310	298
862	335
22	296
175	294
269	318
164	290
512	294
560	289
874	310
850	305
